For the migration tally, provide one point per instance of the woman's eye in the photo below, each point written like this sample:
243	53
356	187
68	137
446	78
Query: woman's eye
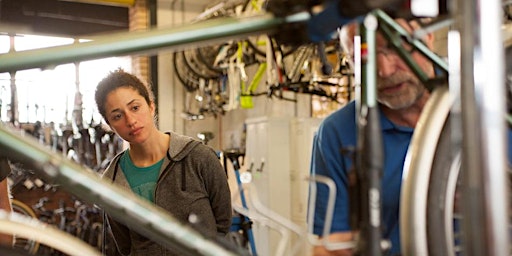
116	117
135	108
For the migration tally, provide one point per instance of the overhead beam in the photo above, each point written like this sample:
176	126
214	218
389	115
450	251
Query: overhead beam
148	42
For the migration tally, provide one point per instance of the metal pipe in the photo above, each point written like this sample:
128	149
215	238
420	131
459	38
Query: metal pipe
369	148
148	42
485	201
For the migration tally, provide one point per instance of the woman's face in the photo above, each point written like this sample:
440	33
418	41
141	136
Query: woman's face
129	115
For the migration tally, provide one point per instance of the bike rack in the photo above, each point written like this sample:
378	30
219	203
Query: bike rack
141	215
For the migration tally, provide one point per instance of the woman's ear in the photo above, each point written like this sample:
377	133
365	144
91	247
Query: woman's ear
152	106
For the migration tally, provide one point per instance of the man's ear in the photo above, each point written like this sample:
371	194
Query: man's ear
347	34
429	40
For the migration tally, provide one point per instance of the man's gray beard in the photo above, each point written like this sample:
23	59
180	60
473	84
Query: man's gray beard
403	105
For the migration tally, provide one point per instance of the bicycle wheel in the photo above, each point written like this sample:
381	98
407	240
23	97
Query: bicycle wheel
443	214
215	58
202	67
430	216
419	162
187	78
30	228
30	246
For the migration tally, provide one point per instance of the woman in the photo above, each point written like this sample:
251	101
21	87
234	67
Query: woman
177	173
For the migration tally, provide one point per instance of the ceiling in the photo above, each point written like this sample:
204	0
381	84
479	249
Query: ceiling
63	18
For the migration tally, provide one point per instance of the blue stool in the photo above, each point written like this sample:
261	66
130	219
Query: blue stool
240	223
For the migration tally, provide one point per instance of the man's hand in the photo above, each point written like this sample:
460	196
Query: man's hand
333	238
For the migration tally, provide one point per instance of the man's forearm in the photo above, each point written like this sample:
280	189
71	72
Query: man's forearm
337	237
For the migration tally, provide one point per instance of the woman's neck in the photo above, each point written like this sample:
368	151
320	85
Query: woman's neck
151	151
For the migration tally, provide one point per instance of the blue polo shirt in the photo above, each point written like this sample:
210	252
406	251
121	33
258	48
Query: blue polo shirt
337	134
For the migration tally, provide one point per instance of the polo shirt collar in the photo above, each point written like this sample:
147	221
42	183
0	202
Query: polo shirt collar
387	125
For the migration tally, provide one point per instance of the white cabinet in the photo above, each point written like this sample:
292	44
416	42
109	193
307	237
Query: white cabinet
267	157
278	153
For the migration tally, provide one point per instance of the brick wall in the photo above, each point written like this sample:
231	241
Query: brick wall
139	20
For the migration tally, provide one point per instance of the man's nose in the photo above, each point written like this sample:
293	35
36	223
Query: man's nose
386	65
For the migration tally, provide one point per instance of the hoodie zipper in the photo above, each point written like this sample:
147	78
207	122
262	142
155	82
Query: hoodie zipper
164	173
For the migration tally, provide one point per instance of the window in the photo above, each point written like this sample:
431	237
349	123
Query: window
50	95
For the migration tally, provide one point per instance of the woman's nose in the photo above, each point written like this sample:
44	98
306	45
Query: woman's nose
386	64
130	120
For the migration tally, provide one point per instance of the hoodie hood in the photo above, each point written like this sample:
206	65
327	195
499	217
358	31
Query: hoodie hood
180	146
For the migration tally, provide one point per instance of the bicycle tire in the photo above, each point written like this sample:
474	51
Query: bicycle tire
435	233
30	228
207	57
441	233
417	173
443	213
196	66
189	80
30	246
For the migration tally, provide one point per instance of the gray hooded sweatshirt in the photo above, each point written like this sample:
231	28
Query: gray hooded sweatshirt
191	181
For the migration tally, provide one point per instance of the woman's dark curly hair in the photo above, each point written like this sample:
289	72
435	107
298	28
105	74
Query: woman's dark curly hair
118	79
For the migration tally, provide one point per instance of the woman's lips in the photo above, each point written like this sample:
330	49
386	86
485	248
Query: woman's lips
136	131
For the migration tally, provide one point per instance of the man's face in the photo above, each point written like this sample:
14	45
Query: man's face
397	86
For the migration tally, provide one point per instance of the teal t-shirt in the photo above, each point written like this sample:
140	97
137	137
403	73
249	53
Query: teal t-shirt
142	180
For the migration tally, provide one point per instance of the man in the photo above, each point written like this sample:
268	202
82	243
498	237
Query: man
5	201
401	98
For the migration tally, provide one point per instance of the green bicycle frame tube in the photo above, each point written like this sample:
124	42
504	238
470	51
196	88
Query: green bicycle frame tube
148	42
139	214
